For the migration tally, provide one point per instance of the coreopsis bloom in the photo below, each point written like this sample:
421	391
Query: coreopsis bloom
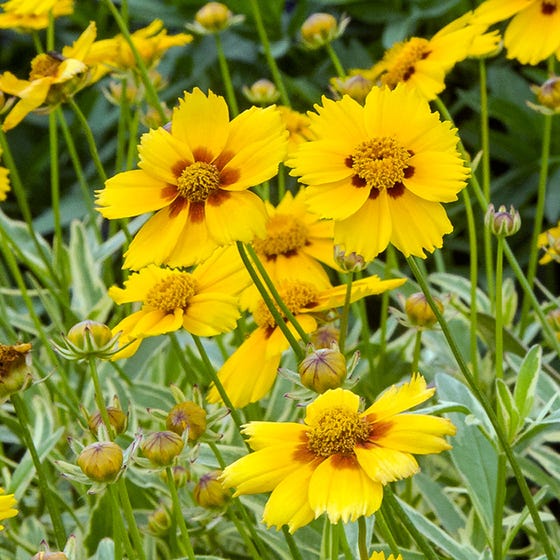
27	15
204	302
381	171
422	64
196	175
297	125
249	373
338	460
549	241
7	509
4	181
533	34
53	79
381	556
151	42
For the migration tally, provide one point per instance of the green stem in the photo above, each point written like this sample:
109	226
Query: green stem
383	524
130	519
46	491
499	350
400	514
280	321
334	542
335	60
484	401
485	165
362	538
151	93
345	313
226	76
277	77
344	543
100	401
498	536
55	181
85	128
539	215
416	352
292	545
120	535
179	519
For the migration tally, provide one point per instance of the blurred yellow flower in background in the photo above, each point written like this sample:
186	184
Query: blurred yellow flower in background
4	181
7	509
27	15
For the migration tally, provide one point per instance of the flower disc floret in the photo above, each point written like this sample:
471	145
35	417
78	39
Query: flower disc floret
286	235
337	431
404	58
173	292
198	181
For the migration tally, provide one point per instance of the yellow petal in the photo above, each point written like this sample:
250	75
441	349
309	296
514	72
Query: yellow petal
211	314
266	434
385	465
156	322
333	398
340	488
223	272
33	96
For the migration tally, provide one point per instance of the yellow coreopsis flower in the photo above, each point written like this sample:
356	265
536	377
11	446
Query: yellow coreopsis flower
338	460
381	171
381	556
204	302
533	34
24	15
4	181
249	373
7	503
53	79
297	125
196	174
549	241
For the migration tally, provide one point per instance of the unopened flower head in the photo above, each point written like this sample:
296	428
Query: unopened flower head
339	459
349	262
548	95
263	92
187	416
356	86
553	318
160	521
502	223
15	371
101	461
213	17
117	418
320	29
209	491
322	369
88	339
181	475
418	311
161	448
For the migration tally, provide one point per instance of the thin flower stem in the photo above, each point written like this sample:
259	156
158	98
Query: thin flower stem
292	545
130	519
385	530
344	543
345	313
334	542
55	181
539	215
151	93
226	76
218	384
277	77
498	536
296	347
416	351
473	260
85	128
400	514
122	127
179	519
120	535
486	404
335	61
485	165
499	349
362	538
99	400
46	491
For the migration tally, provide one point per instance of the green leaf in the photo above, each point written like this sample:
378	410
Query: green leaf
508	412
524	391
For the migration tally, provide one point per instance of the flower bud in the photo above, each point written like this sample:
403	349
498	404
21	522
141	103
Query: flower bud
419	312
320	29
181	475
187	416
15	373
214	17
262	92
117	418
351	262
323	369
357	87
88	339
159	522
161	448
209	492
101	461
553	319
48	555
548	95
324	336
502	223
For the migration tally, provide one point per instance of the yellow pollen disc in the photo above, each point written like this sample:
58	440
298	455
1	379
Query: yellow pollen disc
44	66
198	181
401	60
337	431
296	295
380	162
285	235
173	292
